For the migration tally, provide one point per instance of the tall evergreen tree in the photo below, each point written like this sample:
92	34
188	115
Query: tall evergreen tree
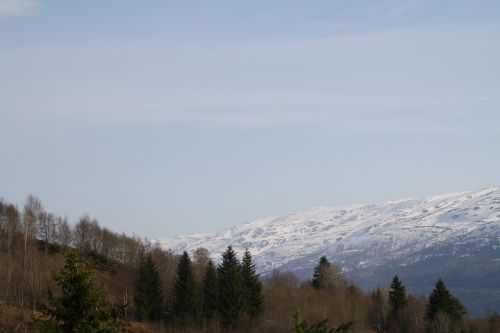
230	288
252	287
79	307
321	270
148	296
442	302
210	291
185	289
327	276
397	296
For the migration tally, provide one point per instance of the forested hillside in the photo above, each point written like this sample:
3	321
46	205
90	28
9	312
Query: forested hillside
419	239
148	289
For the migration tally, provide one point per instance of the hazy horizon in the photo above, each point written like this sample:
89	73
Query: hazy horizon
175	118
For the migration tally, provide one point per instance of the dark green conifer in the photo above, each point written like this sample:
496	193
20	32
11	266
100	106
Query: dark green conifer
210	291
397	296
185	289
442	302
252	287
326	276
79	307
230	288
148	296
319	273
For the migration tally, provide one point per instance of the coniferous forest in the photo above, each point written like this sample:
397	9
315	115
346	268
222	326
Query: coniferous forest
62	277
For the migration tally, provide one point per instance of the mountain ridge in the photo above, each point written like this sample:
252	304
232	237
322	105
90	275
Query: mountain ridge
365	238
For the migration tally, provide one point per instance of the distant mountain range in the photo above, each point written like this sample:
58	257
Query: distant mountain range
454	236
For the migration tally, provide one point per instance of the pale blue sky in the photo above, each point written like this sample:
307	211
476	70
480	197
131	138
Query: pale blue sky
170	117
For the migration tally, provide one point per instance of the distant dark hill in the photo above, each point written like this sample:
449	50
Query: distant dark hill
453	236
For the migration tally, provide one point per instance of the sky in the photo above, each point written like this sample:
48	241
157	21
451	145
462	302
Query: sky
162	118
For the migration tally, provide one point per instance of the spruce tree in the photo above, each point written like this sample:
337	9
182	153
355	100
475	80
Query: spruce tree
320	272
327	276
441	301
230	288
148	296
252	287
185	289
210	291
397	296
78	308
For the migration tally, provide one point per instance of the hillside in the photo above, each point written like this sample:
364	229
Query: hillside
32	242
454	236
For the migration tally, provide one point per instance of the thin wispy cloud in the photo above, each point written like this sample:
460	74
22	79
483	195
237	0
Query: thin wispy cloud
404	8
255	106
16	7
309	84
401	9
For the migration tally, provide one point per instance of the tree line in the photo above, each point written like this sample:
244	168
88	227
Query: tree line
137	281
30	234
393	310
227	295
231	295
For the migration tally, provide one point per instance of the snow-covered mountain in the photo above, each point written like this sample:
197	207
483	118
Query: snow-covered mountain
458	232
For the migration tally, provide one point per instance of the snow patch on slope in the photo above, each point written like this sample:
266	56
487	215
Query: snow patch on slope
358	235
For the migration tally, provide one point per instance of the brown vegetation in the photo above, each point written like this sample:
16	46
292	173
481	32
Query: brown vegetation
31	242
